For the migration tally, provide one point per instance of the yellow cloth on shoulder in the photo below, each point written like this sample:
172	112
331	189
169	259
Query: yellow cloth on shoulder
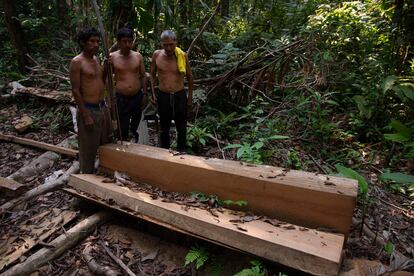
181	62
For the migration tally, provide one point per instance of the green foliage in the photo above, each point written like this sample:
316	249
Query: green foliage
239	203
247	152
225	59
217	265
350	173
198	255
403	182
256	269
402	86
403	135
389	248
214	201
197	137
294	160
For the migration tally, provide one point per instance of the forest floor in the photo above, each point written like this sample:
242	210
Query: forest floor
153	250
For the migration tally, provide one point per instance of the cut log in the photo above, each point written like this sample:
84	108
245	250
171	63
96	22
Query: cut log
11	187
40	164
41	145
35	233
302	198
61	96
305	249
42	189
62	243
22	124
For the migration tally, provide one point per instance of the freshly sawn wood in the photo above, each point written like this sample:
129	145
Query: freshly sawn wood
302	198
305	249
37	144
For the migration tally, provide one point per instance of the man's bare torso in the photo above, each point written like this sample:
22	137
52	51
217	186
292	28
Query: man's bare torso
127	72
91	80
170	79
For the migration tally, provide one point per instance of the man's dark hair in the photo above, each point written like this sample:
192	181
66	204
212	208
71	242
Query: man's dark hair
125	32
85	34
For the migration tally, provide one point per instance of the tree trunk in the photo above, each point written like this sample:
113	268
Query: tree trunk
225	8
190	11
183	11
16	34
62	12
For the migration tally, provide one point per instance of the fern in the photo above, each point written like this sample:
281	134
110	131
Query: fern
217	265
256	269
197	254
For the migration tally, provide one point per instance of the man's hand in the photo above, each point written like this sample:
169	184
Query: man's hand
153	99
88	121
108	60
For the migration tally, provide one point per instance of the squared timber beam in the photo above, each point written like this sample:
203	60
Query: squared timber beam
312	251
298	197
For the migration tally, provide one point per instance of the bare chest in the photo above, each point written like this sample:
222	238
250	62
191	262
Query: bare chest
167	65
91	70
126	64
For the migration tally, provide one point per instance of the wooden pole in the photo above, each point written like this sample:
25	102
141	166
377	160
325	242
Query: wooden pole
114	108
37	144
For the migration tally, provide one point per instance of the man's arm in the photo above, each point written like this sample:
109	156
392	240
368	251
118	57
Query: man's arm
153	74
143	75
74	76
189	75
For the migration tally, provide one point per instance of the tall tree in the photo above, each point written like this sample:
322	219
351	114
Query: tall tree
225	8
16	34
183	11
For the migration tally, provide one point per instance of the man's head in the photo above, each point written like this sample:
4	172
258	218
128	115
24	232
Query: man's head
168	42
88	39
125	37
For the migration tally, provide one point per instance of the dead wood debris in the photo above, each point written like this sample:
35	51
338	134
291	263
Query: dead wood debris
93	264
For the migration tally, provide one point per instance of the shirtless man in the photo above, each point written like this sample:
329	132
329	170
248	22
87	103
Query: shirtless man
172	98
130	77
87	80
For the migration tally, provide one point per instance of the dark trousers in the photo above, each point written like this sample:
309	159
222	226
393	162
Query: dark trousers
129	110
173	106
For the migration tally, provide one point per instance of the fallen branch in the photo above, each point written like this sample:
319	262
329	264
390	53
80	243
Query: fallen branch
203	29
59	96
42	189
37	144
118	261
94	267
376	238
60	245
40	164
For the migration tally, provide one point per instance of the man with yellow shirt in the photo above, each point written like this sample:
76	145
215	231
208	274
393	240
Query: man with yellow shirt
170	65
